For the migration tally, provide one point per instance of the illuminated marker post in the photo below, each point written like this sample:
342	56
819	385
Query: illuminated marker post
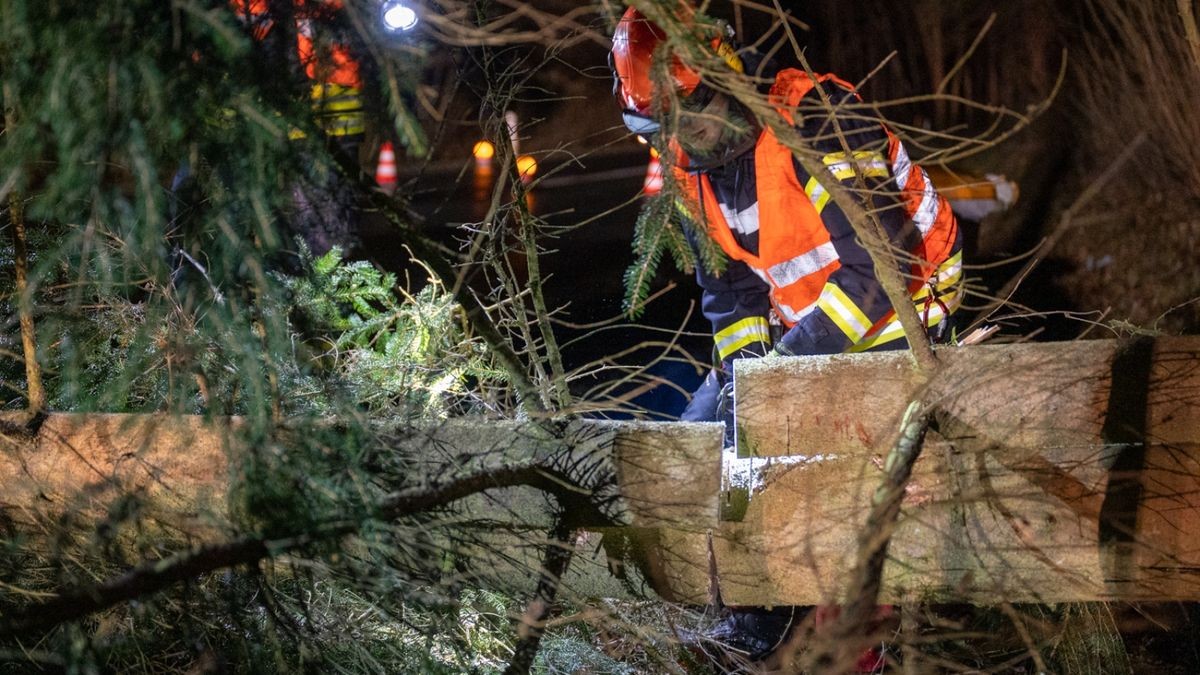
527	168
653	182
484	152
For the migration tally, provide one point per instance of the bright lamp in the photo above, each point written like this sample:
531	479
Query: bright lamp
397	16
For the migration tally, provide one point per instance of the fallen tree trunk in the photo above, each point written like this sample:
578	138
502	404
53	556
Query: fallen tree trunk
81	468
1057	472
79	462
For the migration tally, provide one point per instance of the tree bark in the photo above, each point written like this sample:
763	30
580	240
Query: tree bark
35	391
533	622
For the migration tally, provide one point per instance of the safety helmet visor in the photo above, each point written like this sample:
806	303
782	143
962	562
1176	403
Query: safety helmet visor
640	124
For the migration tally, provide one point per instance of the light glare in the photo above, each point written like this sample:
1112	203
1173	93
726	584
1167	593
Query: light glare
484	151
398	16
526	166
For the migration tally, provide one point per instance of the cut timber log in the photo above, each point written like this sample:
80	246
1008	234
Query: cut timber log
82	464
182	469
1057	472
665	473
1060	472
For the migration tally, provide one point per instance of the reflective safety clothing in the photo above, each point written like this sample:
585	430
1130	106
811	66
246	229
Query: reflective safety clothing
774	220
336	89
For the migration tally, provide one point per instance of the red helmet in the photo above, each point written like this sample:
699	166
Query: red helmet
633	46
634	43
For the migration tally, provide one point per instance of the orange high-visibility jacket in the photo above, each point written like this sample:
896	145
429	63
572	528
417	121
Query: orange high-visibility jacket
795	256
333	70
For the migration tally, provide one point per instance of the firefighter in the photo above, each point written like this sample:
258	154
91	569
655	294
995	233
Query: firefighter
324	213
795	267
797	280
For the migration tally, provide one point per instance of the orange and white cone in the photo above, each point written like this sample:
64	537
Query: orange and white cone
654	175
385	172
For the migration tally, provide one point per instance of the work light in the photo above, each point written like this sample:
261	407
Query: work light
397	16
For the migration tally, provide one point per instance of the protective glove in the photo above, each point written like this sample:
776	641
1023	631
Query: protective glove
705	400
810	338
712	402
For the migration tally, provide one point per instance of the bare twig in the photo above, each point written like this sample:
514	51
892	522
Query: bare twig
16	213
35	391
962	60
848	636
559	551
868	228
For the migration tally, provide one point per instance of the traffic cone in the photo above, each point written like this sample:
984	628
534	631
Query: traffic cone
385	173
654	175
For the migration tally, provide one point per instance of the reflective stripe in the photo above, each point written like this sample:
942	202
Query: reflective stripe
927	212
339	109
948	273
816	194
893	330
342	125
788	272
845	171
842	311
341	104
869	164
859	156
901	166
794	315
741	334
331	96
684	211
745	221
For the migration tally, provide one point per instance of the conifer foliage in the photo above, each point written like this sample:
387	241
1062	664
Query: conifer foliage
106	102
151	293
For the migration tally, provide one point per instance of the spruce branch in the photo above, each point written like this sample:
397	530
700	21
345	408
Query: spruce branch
650	233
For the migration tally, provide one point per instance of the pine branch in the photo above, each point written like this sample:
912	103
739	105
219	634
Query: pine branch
650	233
427	251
